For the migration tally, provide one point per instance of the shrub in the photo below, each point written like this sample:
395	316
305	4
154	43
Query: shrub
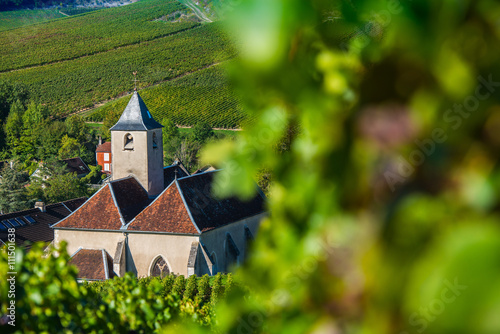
191	288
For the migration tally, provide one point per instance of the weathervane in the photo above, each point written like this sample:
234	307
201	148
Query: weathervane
135	80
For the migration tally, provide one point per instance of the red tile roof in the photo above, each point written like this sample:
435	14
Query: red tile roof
99	212
93	264
123	198
166	214
104	147
189	206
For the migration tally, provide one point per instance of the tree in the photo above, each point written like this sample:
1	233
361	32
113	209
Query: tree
109	120
34	115
12	189
9	94
186	151
170	130
14	126
202	131
50	138
54	184
70	148
95	175
34	118
78	129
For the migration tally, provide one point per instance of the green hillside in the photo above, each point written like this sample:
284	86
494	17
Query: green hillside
72	85
201	96
20	18
88	34
89	59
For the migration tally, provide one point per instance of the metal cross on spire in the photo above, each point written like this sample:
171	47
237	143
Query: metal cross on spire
135	80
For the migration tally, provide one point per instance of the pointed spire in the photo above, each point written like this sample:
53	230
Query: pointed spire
136	117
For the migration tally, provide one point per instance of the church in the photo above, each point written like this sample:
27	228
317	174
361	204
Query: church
153	220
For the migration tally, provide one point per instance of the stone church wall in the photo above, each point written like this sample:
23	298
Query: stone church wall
146	247
215	241
89	240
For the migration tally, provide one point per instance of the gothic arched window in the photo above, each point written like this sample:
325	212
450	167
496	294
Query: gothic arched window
160	267
128	142
232	252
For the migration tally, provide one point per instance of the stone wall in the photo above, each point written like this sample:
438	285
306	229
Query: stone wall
215	242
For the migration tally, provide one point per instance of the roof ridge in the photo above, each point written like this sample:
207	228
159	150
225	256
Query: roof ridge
186	206
122	220
125	227
139	98
76	252
121	179
199	174
66	207
18	212
105	263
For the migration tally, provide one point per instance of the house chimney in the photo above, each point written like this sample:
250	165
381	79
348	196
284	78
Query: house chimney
100	140
40	205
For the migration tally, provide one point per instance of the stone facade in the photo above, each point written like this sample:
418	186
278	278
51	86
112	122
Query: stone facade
143	159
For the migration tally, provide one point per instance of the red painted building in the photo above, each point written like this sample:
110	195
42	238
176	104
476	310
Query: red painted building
103	156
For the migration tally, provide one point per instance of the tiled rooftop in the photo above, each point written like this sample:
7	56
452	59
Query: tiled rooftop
166	214
76	165
210	212
123	198
192	197
37	226
93	264
104	147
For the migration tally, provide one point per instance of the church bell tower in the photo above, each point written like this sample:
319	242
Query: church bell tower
137	146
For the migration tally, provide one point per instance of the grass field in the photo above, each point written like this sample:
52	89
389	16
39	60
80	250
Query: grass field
20	18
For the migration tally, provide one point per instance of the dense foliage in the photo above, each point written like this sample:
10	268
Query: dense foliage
30	140
384	214
48	298
29	132
203	96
